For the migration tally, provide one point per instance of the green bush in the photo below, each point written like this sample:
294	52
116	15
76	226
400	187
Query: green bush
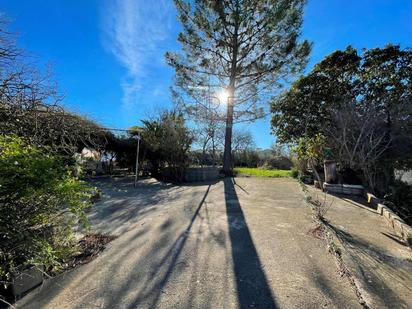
294	172
168	141
300	175
278	163
40	202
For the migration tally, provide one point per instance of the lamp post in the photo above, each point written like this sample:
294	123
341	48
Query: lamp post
137	159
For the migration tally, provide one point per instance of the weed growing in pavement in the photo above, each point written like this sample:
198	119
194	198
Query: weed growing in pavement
319	206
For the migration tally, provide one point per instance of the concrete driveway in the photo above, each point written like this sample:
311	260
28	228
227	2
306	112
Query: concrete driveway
236	243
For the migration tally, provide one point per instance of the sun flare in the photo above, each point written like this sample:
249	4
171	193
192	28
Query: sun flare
223	96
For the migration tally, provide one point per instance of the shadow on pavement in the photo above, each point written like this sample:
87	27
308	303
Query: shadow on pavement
168	263
378	267
122	205
358	201
395	238
148	273
253	290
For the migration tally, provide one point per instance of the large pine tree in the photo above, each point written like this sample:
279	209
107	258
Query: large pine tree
247	48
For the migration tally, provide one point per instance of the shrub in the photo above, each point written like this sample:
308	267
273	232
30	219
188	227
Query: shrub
168	140
295	172
399	197
300	165
351	176
40	201
278	162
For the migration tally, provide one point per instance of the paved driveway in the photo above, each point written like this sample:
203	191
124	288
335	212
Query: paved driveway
239	243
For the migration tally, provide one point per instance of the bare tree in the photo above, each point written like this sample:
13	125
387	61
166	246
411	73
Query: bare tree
30	105
359	139
279	150
208	126
242	139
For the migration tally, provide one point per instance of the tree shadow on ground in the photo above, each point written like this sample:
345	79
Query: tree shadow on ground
123	205
377	268
355	200
239	186
163	255
253	290
170	259
157	266
395	238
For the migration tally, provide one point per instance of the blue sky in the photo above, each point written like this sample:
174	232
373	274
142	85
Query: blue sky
108	59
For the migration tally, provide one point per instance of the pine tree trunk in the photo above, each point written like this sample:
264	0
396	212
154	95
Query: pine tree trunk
227	155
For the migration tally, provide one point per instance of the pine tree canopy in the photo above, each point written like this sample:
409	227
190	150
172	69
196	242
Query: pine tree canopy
248	47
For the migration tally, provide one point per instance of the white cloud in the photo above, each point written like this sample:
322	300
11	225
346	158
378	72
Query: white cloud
137	33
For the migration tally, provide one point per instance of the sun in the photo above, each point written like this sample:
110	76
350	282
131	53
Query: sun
223	96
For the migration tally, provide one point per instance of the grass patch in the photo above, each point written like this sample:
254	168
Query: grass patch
258	172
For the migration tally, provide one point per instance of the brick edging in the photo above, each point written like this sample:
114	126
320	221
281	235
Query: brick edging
402	229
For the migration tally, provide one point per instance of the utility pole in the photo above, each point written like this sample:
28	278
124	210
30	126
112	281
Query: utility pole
137	160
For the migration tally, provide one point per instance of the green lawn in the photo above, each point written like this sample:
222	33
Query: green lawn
257	172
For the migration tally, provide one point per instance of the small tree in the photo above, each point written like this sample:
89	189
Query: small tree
311	150
243	149
168	140
207	133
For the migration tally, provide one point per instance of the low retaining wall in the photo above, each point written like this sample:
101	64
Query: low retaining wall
195	174
402	229
26	280
343	189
